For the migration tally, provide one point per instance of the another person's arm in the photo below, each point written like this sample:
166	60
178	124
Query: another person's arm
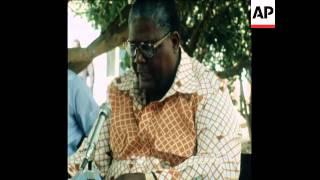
85	106
91	75
80	58
102	153
87	111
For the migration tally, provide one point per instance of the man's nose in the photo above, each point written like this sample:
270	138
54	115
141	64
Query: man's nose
139	59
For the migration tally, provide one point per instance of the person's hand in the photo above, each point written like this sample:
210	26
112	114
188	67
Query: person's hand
132	176
73	169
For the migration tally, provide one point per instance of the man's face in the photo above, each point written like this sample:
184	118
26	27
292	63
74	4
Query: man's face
156	72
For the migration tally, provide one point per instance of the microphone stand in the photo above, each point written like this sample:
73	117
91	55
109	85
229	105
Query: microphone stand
91	174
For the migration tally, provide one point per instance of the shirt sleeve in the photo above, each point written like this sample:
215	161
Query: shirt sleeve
86	108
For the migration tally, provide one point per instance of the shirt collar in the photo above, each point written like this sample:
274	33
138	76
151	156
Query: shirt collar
185	81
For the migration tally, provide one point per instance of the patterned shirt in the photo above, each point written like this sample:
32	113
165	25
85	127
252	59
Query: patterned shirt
192	132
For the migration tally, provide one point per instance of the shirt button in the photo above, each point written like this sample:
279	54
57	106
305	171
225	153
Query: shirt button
165	164
130	165
178	83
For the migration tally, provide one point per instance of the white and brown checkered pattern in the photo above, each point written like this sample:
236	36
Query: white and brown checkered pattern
193	131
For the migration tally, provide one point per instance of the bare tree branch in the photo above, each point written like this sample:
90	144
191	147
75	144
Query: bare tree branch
114	35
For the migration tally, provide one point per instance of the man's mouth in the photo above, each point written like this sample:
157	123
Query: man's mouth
145	80
145	76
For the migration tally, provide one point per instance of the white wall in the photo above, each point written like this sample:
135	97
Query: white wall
79	28
102	81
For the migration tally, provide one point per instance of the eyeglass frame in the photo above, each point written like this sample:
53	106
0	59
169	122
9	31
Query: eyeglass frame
154	46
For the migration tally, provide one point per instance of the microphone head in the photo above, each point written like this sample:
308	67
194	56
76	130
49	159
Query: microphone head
105	109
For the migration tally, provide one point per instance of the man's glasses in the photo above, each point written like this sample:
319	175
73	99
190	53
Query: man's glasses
146	49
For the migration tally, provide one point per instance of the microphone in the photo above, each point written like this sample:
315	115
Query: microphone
104	113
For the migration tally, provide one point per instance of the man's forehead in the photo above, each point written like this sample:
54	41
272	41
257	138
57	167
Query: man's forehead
143	30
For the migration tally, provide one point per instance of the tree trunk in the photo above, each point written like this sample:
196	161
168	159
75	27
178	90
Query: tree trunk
196	32
244	107
114	35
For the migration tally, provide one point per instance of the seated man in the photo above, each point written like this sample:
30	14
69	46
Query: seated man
170	117
82	111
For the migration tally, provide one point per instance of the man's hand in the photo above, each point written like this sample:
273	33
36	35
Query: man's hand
73	169
132	176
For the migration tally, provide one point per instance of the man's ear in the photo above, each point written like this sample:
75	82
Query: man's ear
175	38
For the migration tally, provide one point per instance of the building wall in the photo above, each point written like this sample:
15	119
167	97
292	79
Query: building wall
106	68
